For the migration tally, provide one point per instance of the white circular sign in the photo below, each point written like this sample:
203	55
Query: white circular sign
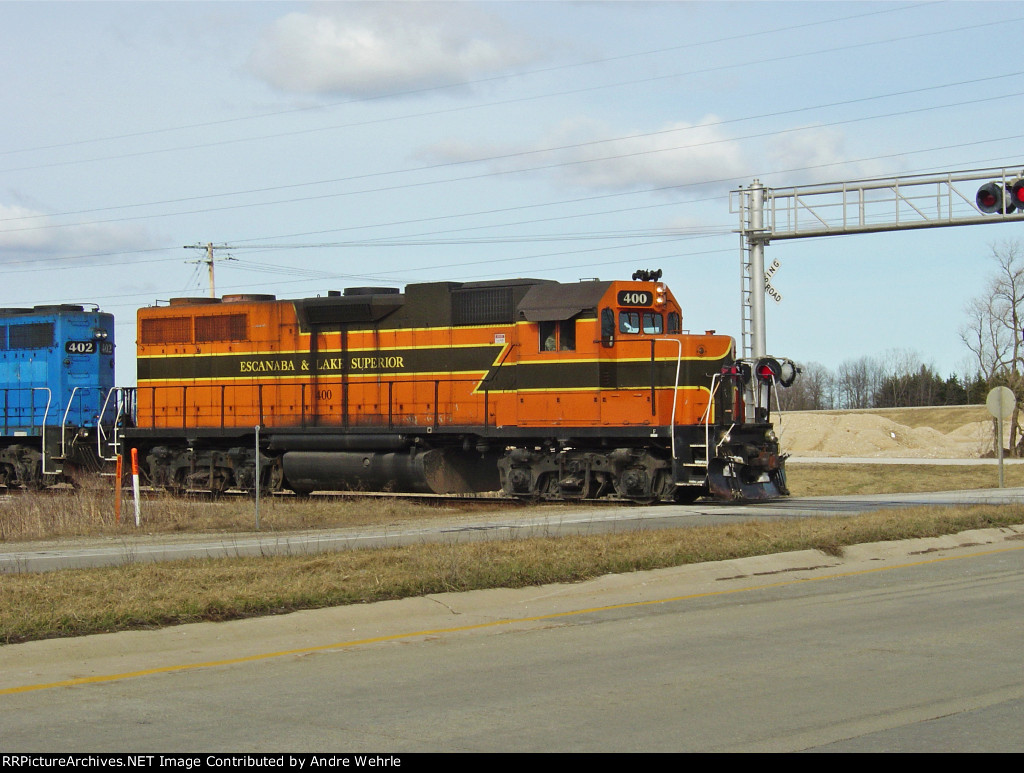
1001	402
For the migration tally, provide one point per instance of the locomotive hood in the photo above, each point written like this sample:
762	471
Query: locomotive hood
549	302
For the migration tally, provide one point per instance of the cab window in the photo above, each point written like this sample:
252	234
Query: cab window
607	327
557	336
629	321
675	325
652	323
548	340
567	335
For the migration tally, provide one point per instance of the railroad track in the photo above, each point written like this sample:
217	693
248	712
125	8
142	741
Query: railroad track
468	501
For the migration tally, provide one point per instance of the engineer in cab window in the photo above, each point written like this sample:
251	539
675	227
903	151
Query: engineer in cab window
629	322
548	341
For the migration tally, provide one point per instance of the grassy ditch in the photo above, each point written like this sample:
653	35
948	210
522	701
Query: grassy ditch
26	517
136	596
806	480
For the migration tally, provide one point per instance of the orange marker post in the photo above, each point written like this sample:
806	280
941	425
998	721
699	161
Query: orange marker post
135	484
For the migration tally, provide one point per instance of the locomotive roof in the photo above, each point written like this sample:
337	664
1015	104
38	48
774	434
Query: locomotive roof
431	304
47	310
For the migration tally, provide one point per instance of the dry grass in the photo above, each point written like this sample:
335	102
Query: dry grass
29	516
79	602
808	480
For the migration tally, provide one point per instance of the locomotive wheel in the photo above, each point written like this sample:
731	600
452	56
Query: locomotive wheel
273	478
220	480
177	484
36	480
300	493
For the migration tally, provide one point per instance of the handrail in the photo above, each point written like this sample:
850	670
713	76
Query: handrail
675	390
101	434
64	424
706	418
42	445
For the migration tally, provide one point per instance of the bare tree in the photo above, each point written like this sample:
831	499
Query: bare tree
899	366
857	381
994	327
812	391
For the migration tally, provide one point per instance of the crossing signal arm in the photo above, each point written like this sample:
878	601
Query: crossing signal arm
859	207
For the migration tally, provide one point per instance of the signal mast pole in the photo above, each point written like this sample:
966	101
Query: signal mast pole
857	207
753	323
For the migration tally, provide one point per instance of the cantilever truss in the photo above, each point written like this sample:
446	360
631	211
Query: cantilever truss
854	207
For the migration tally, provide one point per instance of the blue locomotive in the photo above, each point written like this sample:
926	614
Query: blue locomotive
60	406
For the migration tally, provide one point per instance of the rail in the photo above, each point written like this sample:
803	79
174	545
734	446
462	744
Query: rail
716	381
64	425
123	398
218	405
675	389
21	417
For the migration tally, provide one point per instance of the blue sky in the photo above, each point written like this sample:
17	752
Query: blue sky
348	144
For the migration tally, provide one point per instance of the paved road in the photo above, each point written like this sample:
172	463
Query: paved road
517	521
911	646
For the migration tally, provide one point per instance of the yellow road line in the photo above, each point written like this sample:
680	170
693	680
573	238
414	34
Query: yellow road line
475	626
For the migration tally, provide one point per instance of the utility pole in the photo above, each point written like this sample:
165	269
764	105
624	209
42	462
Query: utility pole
209	247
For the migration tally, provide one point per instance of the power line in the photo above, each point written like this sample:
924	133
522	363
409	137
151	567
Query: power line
542	167
552	149
463	84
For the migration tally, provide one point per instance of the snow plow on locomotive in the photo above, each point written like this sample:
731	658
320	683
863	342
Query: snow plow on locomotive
534	387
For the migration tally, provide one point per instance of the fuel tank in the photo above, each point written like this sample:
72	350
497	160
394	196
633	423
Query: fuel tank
414	471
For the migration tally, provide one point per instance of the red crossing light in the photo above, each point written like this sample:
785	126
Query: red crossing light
998	197
1017	193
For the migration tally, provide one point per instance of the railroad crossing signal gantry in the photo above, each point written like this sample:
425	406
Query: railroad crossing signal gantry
859	207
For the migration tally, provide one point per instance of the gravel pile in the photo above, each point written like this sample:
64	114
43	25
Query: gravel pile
871	435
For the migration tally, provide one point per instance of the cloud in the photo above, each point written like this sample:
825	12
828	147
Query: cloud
26	232
816	155
579	154
691	158
677	154
367	50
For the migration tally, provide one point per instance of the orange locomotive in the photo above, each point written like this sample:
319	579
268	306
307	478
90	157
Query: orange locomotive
539	388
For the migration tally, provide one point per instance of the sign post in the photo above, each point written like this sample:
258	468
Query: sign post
257	477
1000	403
